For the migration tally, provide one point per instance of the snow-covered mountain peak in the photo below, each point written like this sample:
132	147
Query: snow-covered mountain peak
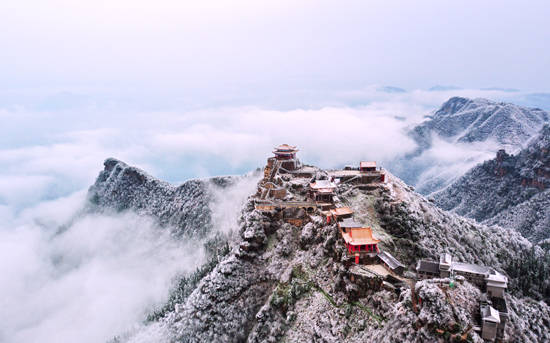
457	104
474	130
477	120
286	281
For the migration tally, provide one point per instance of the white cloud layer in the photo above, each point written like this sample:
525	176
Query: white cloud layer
47	154
445	162
68	276
87	283
100	276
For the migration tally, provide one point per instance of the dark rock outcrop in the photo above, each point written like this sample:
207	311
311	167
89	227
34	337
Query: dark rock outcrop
510	190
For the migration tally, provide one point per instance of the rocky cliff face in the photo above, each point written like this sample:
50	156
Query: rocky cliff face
510	190
478	120
465	123
280	282
185	208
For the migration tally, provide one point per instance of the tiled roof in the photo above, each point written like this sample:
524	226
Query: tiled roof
471	268
348	222
390	260
285	148
496	279
319	184
360	236
341	211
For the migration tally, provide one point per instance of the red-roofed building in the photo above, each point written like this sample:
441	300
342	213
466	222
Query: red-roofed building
286	155
358	239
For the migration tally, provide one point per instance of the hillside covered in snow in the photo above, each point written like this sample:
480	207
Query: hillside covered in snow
462	120
121	187
273	281
512	191
462	133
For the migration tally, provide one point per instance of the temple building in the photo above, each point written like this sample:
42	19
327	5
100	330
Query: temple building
427	269
484	277
322	191
335	215
346	224
496	283
295	216
444	267
286	156
358	239
474	273
498	304
269	190
367	166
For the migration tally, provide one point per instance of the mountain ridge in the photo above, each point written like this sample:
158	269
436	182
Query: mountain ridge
282	282
510	190
185	207
476	127
473	120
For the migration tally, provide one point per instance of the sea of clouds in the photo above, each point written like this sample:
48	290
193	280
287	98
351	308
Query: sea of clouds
67	276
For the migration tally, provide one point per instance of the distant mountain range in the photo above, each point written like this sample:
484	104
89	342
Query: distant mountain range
439	88
510	190
462	120
465	123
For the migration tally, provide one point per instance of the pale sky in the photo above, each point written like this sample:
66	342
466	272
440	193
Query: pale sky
255	48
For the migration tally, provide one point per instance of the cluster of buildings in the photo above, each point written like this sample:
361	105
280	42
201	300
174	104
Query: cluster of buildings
315	192
319	196
493	309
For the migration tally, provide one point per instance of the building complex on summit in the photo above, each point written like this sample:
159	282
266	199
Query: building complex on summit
297	193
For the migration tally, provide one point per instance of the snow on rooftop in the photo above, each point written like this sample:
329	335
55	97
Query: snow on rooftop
322	184
344	173
390	260
359	236
490	314
305	169
285	148
471	268
348	222
341	211
445	259
496	279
